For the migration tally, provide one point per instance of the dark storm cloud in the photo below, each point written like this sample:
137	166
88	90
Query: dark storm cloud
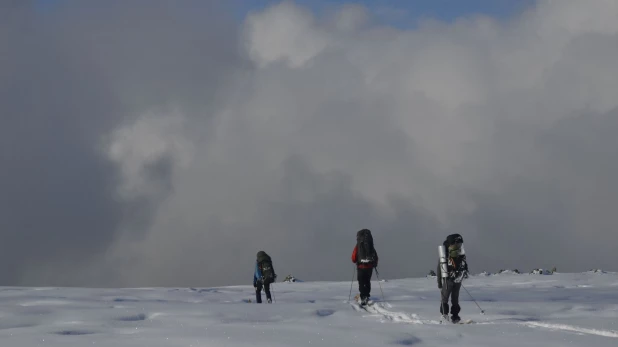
307	223
69	76
561	214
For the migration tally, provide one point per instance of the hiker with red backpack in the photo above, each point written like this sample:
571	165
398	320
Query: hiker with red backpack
263	276
366	259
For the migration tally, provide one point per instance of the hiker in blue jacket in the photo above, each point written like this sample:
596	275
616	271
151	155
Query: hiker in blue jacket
263	276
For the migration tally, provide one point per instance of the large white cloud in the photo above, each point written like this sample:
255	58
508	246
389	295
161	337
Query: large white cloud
448	127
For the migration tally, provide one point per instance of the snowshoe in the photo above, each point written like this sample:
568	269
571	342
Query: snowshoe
362	302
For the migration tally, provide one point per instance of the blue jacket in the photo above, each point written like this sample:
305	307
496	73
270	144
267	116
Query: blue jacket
257	274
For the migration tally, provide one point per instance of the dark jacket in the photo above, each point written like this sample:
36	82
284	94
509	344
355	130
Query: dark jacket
455	267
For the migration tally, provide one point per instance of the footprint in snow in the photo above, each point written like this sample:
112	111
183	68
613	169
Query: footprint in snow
134	318
324	312
74	332
408	341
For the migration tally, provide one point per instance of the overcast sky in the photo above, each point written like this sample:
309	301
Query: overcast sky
157	143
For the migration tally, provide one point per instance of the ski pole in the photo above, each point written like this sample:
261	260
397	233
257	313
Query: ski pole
351	283
380	284
482	312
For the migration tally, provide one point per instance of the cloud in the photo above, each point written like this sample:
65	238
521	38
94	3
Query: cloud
146	144
499	130
289	33
452	127
71	77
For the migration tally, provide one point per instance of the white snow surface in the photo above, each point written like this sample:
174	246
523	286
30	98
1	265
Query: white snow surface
520	310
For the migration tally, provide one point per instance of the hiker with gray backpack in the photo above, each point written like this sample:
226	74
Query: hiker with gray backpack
452	270
366	259
263	276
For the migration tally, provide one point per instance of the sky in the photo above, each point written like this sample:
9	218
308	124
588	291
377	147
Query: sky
156	143
404	13
399	13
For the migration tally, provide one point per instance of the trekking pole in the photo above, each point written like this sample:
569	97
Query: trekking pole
482	312
351	283
380	284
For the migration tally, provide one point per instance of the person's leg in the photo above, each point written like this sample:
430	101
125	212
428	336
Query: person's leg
267	291
447	290
455	308
364	283
369	275
258	293
360	278
445	293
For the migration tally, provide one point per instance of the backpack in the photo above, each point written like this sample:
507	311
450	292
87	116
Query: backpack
453	239
365	251
461	272
266	267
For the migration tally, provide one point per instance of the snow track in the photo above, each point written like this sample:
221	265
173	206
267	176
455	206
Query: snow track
378	310
575	329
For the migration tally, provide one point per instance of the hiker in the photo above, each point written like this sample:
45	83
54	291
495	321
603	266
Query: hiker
263	276
366	258
456	271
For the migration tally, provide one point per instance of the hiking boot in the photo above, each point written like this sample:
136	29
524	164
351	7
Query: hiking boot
269	301
455	319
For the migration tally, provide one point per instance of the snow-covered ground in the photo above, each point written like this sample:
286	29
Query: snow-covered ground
520	310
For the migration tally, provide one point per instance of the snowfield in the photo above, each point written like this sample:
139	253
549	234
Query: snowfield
520	310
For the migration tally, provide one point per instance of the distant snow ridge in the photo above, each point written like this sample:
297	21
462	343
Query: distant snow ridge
541	272
509	272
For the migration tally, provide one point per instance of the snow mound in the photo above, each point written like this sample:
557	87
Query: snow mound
509	272
291	279
541	272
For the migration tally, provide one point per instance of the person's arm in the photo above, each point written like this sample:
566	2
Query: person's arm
254	276
439	276
257	275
